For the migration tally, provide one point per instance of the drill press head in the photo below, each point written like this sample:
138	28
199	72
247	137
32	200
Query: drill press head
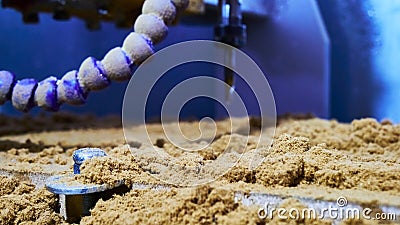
230	29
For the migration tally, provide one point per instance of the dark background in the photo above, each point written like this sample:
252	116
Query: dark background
335	59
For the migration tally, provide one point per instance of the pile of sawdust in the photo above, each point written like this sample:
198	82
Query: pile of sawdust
202	205
14	186
362	155
50	155
313	152
307	156
20	202
118	165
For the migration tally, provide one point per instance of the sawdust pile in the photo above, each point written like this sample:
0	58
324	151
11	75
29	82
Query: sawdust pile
307	156
202	205
118	165
362	155
48	155
20	202
184	206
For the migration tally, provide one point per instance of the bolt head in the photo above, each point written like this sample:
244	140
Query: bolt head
83	154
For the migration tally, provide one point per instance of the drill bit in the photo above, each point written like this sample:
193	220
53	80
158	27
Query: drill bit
229	80
231	31
229	74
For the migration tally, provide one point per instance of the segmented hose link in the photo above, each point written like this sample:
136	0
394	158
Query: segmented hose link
95	75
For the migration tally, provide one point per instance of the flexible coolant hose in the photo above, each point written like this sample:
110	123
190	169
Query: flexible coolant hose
94	75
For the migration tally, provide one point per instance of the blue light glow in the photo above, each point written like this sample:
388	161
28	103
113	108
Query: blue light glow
386	15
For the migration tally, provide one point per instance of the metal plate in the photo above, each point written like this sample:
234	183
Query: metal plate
65	185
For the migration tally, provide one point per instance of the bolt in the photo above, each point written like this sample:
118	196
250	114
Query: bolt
83	154
76	199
